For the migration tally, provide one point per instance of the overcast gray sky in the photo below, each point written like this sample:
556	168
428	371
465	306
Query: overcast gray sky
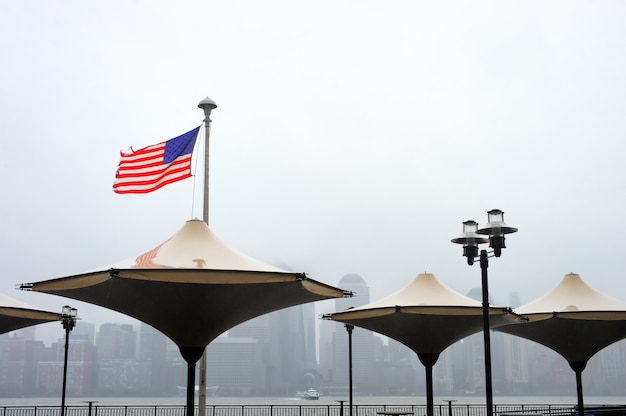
351	136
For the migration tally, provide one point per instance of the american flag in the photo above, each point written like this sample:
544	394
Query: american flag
148	169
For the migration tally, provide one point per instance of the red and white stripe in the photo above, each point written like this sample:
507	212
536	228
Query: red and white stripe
143	171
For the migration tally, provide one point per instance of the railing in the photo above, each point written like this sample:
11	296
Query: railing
291	410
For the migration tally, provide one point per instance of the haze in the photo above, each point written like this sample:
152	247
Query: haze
350	136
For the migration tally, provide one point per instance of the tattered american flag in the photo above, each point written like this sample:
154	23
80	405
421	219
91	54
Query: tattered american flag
148	169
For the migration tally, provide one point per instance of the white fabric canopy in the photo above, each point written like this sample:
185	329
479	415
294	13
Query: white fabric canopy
573	319
427	317
192	287
424	306
15	314
572	294
195	246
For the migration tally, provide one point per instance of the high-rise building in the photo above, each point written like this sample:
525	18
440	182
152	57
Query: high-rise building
443	373
81	367
399	370
116	341
152	354
474	354
515	357
367	348
606	371
286	341
18	363
235	366
117	368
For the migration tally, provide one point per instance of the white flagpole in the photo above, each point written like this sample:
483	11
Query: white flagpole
207	105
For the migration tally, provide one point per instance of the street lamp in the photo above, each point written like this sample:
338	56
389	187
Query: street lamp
68	320
471	238
350	328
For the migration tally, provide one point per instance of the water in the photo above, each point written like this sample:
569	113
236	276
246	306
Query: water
324	400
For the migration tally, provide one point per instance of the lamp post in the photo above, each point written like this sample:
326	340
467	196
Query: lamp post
68	320
471	238
349	328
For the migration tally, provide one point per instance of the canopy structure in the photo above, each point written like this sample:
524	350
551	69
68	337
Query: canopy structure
192	287
427	317
16	315
574	320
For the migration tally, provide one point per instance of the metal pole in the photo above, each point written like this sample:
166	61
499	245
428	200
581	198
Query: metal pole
90	402
484	264
207	105
350	328
579	393
67	337
202	386
68	321
578	367
430	405
341	402
191	356
429	360
191	391
449	406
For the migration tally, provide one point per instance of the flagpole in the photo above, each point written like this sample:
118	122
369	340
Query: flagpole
207	105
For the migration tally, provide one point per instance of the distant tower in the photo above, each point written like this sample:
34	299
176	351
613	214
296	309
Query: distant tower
286	339
18	366
515	357
81	366
116	348
357	285
514	299
116	341
474	354
153	354
366	347
236	366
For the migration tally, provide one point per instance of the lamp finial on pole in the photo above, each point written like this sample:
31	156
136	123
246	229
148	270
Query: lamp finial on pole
207	105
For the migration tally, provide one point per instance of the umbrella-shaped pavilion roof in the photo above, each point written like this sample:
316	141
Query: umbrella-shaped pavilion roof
572	319
192	287
424	307
15	314
427	317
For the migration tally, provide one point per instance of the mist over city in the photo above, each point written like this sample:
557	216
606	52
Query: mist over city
349	139
283	353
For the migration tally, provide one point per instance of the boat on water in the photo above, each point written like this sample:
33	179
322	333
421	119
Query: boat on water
210	390
310	394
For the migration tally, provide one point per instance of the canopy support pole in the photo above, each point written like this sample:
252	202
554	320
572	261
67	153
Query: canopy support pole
578	367
429	360
191	355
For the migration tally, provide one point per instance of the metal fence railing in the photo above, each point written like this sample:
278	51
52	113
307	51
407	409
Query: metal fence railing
289	410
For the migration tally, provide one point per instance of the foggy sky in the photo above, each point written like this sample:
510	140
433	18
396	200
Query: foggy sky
350	136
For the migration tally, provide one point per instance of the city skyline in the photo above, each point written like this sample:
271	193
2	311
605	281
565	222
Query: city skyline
275	353
48	331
